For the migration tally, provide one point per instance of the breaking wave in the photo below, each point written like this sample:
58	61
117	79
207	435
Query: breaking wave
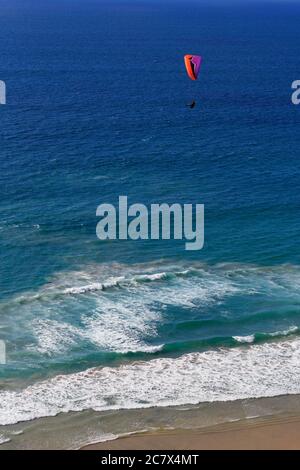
228	374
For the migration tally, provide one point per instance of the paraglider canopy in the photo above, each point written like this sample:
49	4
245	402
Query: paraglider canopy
192	65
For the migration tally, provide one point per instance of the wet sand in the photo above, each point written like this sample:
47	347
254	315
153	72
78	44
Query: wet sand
262	434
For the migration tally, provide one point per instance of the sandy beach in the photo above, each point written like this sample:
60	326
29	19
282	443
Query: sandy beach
254	434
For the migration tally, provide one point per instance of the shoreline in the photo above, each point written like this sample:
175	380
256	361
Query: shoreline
278	433
261	423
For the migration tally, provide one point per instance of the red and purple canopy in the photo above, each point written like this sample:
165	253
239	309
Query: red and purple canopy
192	64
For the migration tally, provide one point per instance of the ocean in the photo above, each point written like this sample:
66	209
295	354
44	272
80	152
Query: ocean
107	338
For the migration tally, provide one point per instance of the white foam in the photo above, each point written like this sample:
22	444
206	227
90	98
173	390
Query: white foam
52	336
96	286
122	326
287	332
251	338
152	277
3	439
257	371
244	339
123	321
96	439
119	308
84	289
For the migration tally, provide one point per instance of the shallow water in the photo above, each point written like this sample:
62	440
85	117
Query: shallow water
74	430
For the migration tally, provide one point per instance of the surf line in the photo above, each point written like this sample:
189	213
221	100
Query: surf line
2	92
160	222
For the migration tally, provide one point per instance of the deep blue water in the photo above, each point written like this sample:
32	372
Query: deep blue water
96	95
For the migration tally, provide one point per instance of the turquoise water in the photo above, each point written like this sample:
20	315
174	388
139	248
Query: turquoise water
96	109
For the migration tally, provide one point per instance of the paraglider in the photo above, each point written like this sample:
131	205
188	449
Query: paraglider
191	105
192	65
